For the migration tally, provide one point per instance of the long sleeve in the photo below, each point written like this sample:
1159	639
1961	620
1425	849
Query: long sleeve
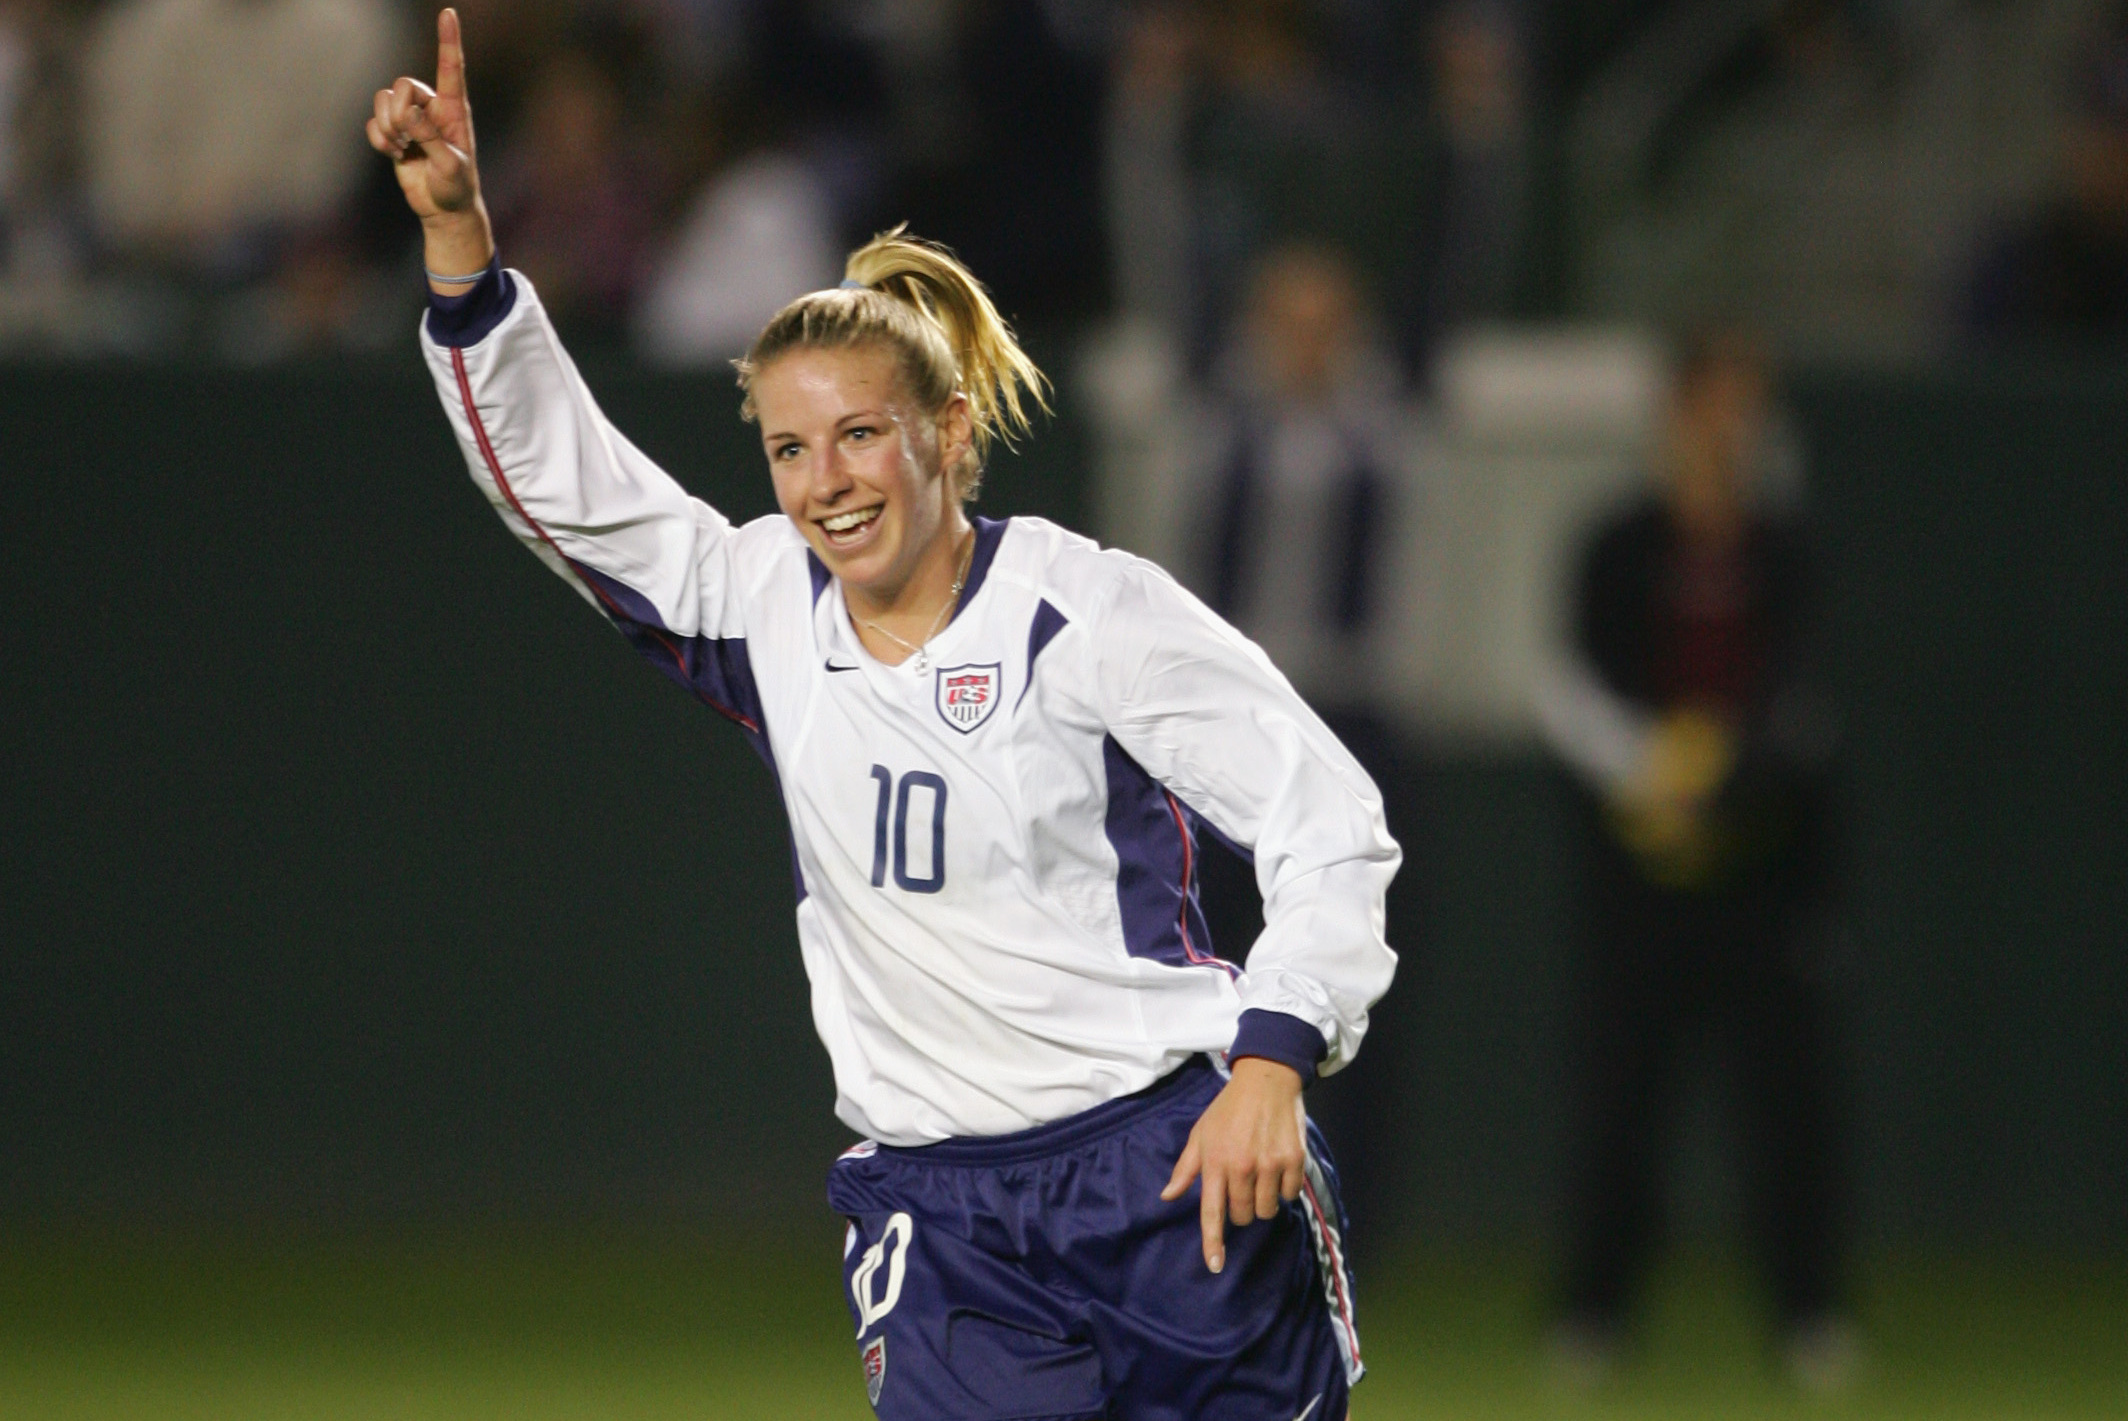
1208	716
594	508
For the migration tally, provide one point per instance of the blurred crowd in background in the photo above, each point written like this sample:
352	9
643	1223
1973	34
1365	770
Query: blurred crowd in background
1889	178
180	175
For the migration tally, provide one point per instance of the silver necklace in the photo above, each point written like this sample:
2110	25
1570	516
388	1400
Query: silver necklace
918	659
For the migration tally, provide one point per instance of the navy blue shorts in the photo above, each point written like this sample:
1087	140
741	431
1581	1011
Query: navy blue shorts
1038	1275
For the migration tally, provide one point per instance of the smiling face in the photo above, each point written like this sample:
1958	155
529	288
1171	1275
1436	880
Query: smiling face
859	468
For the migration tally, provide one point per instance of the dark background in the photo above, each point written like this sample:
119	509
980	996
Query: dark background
354	869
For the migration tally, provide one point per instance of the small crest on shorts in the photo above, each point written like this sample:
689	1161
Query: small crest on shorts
968	694
875	1367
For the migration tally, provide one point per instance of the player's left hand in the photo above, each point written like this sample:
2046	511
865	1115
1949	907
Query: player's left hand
1249	1146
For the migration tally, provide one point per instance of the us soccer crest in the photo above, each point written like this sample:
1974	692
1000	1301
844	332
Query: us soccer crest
968	694
875	1367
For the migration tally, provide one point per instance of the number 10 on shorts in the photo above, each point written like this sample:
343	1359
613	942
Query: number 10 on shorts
892	1254
898	796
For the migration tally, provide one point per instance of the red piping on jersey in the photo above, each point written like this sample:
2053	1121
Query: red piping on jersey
487	453
1189	869
1337	1266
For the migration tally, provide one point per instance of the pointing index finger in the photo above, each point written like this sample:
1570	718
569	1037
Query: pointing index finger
450	57
1212	1218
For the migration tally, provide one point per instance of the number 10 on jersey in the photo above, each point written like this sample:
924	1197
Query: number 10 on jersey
898	796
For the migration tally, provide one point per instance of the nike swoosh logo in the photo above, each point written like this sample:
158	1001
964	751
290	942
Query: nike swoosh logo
1307	1410
833	667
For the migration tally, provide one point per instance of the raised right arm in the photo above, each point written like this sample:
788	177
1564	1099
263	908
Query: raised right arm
588	503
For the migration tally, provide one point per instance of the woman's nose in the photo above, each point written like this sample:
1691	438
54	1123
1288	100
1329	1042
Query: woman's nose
831	475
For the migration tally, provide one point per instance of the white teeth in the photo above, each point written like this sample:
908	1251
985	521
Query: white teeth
844	522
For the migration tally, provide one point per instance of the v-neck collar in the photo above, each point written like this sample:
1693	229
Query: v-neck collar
989	534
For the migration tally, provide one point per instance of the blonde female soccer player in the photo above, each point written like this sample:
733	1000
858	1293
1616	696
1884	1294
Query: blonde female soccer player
997	745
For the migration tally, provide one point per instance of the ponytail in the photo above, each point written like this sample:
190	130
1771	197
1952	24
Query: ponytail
916	298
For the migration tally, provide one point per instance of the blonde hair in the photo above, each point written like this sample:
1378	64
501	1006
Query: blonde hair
916	298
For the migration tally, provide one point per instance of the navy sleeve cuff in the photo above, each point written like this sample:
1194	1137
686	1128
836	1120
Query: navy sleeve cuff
467	318
1275	1036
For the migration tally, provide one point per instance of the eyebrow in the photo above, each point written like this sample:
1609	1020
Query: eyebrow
871	414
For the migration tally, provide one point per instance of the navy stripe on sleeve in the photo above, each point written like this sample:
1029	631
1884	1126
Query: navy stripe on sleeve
1154	837
1048	621
716	669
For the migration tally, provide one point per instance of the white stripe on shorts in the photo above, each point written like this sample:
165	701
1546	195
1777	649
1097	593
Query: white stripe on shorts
1329	1243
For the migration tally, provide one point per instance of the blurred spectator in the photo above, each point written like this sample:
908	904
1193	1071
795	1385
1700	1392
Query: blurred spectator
1473	231
1232	129
1689	713
19	36
1273	155
576	195
40	236
1309	464
15	59
1227	134
760	232
214	128
1309	459
1145	173
2063	275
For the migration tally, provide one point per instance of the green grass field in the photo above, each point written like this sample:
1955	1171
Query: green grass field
620	1325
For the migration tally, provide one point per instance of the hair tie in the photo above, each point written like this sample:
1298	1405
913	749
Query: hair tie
851	283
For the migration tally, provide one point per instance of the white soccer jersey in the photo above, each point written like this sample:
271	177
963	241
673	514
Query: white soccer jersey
995	841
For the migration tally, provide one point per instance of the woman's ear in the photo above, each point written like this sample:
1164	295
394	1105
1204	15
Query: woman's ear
956	433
